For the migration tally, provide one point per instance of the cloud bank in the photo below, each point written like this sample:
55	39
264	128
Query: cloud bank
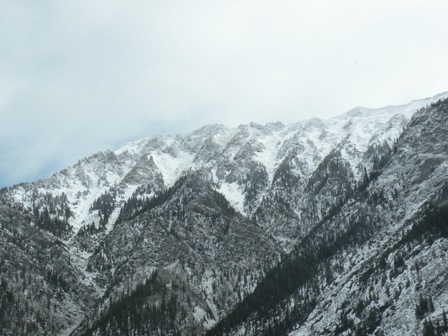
81	76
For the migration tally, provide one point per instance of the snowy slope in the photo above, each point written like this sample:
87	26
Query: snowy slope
288	179
376	265
223	148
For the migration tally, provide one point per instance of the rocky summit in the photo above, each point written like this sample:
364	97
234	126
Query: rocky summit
322	227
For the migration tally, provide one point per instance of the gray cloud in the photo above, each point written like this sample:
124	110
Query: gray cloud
82	76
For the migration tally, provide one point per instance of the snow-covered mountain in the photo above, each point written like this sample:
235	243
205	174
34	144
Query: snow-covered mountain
178	235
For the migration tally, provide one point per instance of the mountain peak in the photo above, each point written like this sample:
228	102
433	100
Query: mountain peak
325	226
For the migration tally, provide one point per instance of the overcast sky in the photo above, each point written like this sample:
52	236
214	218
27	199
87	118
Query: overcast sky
81	76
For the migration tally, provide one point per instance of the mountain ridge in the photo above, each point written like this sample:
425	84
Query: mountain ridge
200	221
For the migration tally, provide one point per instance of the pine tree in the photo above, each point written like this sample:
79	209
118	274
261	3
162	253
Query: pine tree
428	328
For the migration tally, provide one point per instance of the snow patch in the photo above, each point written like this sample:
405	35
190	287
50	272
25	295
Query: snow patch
172	167
234	195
